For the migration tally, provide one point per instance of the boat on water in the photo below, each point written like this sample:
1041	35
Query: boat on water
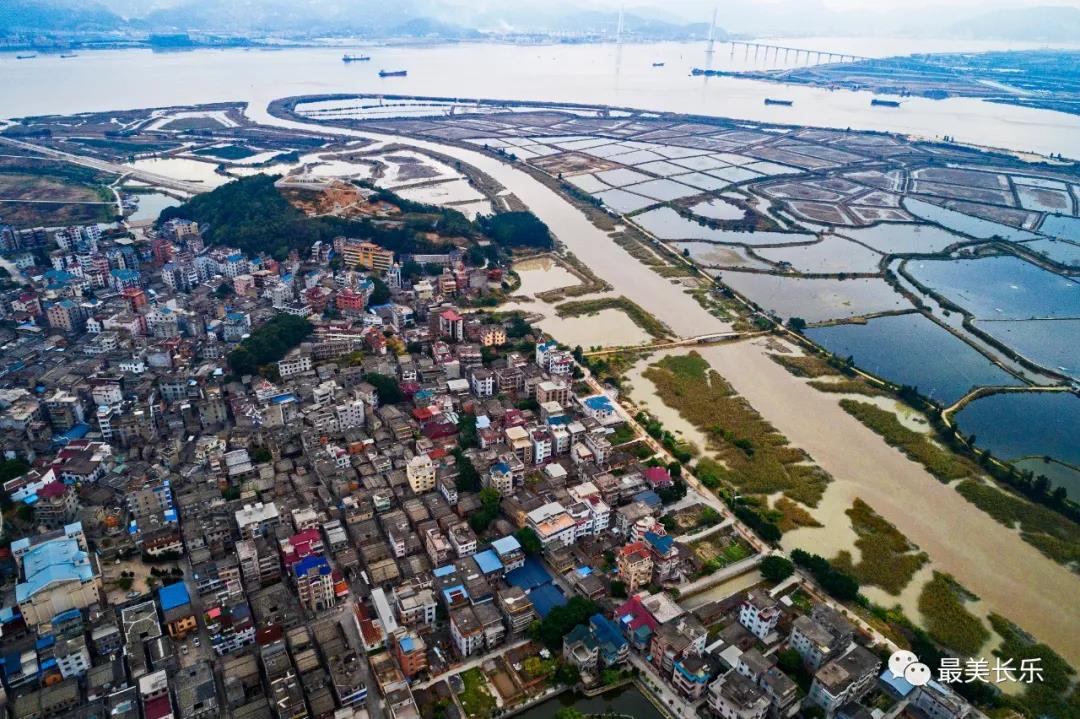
393	73
25	57
355	58
884	103
658	64
773	101
67	55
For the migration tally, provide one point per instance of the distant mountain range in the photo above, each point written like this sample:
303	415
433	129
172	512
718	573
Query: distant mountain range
468	19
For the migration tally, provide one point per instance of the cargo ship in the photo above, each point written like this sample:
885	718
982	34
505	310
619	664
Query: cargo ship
658	64
25	57
884	103
70	54
785	103
355	58
393	73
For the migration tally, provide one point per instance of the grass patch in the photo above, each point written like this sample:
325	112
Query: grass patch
939	462
718	551
227	152
639	316
123	148
847	386
1051	696
754	457
475	699
804	365
1049	532
181	124
790	515
947	619
888	560
623	433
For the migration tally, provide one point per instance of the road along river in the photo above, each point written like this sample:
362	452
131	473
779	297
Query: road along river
1009	575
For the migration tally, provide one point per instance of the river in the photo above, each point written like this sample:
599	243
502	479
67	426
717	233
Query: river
594	74
987	558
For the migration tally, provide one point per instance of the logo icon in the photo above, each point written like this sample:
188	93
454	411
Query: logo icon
917	674
900	660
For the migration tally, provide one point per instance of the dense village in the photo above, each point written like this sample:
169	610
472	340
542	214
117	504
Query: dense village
324	486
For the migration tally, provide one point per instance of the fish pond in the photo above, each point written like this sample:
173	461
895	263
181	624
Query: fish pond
1016	425
913	350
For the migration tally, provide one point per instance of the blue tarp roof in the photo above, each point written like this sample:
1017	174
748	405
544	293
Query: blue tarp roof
173	596
599	402
488	561
662	543
529	576
444	570
546	598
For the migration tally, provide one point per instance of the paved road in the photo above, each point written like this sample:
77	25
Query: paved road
192	188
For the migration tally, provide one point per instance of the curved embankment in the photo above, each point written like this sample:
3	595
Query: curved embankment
987	558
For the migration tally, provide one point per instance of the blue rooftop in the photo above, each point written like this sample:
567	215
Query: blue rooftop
60	560
661	543
444	570
599	402
501	468
457	589
488	561
546	598
506	545
529	576
312	561
898	684
607	632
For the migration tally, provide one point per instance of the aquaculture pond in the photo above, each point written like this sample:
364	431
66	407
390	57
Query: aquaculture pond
151	204
1059	251
903	237
1002	287
718	210
832	255
1061	226
667	224
913	350
1053	344
814	299
968	224
1016	425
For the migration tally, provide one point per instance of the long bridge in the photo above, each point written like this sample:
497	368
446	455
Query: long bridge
818	56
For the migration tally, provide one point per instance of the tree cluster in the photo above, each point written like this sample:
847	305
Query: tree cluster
269	343
560	620
516	229
838	584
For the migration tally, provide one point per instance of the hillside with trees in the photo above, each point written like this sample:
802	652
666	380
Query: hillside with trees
252	215
269	343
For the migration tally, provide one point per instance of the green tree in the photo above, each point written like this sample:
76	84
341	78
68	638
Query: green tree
489	509
569	713
468	479
776	568
516	229
618	589
530	543
387	387
467	431
381	294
